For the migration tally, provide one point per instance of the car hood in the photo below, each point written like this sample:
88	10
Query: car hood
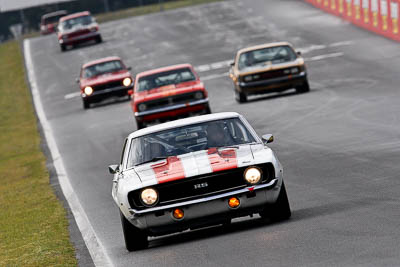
104	78
79	27
168	90
202	162
269	67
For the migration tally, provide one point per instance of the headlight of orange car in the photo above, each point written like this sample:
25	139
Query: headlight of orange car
142	107
88	90
252	175
149	196
127	81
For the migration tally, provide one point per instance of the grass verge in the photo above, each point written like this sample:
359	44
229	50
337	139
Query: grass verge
33	223
143	10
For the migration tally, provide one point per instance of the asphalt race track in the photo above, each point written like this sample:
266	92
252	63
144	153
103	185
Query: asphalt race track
339	144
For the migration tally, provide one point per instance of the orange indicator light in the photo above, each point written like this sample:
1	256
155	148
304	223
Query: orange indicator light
234	202
178	214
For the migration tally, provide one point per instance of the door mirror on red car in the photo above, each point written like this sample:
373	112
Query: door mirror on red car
129	68
77	80
130	92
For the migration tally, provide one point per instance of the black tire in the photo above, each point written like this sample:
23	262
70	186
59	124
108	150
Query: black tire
63	47
135	239
99	39
280	210
304	88
208	110
140	125
240	97
86	104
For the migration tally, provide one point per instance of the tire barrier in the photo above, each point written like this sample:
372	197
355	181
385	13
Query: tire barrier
379	16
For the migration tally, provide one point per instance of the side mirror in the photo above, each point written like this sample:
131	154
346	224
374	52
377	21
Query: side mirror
129	68
77	80
113	169
267	138
130	92
232	63
298	53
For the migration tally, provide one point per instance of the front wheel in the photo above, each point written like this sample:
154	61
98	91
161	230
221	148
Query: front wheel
99	39
135	239
280	210
208	110
140	124
240	97
305	87
86	104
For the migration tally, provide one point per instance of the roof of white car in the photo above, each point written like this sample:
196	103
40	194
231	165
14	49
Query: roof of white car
183	122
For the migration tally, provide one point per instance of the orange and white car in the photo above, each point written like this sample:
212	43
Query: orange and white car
168	93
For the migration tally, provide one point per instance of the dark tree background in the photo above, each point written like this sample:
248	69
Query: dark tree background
32	15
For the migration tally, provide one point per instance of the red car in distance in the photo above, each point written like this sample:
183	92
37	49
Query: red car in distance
103	78
168	93
49	21
77	28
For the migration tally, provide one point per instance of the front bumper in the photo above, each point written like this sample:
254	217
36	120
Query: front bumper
275	84
79	39
172	111
115	91
205	211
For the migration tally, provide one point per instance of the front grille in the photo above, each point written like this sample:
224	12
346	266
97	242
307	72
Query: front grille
217	182
270	74
107	85
171	100
78	33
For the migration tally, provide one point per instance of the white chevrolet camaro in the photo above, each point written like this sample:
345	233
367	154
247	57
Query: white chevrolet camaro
195	172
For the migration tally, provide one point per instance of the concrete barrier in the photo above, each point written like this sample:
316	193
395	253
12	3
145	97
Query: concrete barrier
379	16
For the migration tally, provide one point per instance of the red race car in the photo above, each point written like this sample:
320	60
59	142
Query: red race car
49	21
168	93
103	78
77	28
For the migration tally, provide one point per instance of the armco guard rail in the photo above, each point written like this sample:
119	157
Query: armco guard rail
379	16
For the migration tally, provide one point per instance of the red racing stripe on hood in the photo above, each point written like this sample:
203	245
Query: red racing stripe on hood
169	170
221	160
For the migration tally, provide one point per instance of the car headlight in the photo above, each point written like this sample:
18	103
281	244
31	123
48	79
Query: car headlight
88	90
127	81
149	196
248	78
198	95
252	175
294	70
142	107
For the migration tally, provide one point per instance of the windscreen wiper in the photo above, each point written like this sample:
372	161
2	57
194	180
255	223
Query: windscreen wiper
151	160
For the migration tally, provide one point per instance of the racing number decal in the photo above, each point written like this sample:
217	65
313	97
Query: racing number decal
394	14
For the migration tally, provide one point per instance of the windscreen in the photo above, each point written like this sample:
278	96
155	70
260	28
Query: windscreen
182	140
71	23
270	55
165	78
102	68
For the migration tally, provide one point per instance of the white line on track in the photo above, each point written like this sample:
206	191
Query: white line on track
321	57
72	95
94	245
